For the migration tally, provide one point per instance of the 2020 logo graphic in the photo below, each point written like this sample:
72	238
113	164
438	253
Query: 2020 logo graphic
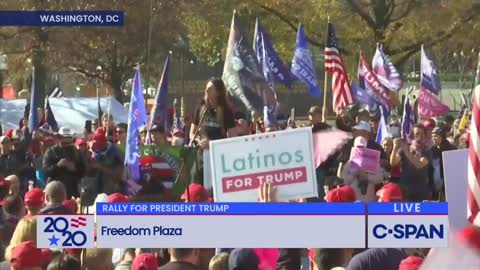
69	231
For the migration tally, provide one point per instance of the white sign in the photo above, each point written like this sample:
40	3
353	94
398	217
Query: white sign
207	174
182	231
284	158
65	231
455	167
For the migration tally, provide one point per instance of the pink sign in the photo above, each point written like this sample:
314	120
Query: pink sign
366	159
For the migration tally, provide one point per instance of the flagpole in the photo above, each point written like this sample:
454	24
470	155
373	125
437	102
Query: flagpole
325	80
97	90
147	76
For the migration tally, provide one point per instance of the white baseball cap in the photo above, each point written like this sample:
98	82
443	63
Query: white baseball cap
363	125
66	132
360	141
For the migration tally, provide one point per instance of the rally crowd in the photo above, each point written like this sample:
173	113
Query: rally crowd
45	172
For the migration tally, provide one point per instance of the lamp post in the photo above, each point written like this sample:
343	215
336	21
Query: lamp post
3	68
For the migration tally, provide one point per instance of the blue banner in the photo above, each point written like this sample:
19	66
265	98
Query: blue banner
137	117
158	113
361	96
61	18
269	59
230	209
408	208
302	64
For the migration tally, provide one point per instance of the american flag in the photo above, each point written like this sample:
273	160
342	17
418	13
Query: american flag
341	90
56	93
473	192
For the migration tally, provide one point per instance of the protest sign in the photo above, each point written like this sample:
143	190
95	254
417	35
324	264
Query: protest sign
366	159
165	161
207	171
284	158
456	180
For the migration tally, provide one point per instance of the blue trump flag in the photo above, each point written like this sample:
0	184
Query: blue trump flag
137	117
33	114
159	114
268	58
50	120
361	96
302	64
429	76
269	117
177	122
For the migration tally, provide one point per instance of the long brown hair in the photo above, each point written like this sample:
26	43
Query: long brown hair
223	108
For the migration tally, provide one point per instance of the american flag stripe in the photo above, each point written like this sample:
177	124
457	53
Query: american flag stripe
473	194
56	93
341	89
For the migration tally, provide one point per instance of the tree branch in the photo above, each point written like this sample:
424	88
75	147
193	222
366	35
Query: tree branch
438	37
410	6
294	26
363	14
85	72
17	52
286	20
390	9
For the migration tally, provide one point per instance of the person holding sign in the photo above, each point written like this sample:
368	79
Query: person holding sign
362	172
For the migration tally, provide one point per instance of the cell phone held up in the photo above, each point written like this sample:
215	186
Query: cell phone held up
88	126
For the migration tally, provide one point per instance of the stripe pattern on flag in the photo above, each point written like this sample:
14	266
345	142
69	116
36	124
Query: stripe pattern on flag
56	93
80	222
473	192
341	90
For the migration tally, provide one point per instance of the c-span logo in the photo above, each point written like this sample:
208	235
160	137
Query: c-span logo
68	231
419	232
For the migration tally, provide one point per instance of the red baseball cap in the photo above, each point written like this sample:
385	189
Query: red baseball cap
117	198
34	197
70	205
197	193
411	263
471	236
80	141
390	192
146	260
177	132
4	183
26	254
49	139
341	194
429	123
9	133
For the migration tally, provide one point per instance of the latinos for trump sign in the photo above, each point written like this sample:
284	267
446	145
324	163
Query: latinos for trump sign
284	159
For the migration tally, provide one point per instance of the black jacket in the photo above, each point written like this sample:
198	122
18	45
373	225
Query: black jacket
70	179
